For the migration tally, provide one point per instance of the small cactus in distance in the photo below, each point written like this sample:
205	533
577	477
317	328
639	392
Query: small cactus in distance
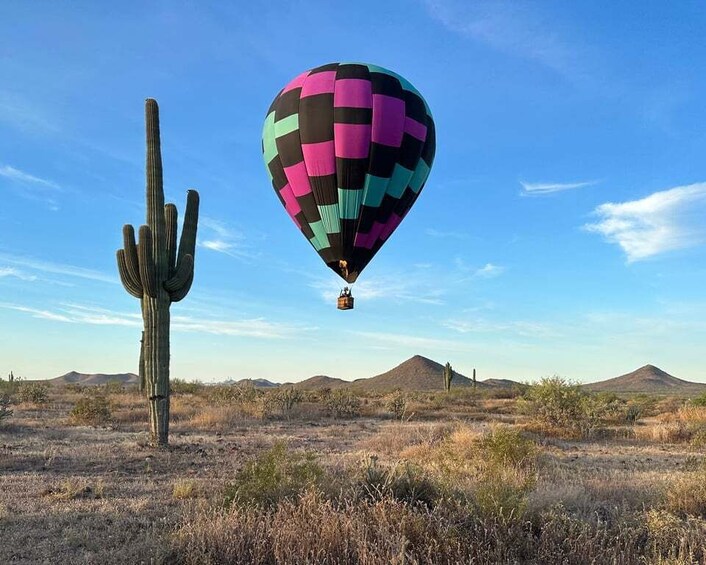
158	272
11	377
448	376
474	379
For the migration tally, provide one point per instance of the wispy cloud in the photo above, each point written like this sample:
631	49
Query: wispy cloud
30	186
14	174
71	313
446	234
56	268
16	273
514	327
224	239
36	312
15	111
421	286
544	188
487	271
390	340
661	222
509	27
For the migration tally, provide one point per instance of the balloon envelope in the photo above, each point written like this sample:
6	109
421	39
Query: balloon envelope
348	148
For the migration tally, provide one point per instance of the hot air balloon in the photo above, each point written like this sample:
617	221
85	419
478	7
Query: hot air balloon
348	148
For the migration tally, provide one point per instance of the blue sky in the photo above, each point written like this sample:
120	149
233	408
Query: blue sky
562	229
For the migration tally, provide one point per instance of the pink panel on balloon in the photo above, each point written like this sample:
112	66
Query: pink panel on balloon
390	226
319	83
298	179
352	140
388	120
353	93
296	82
319	158
290	203
367	240
415	129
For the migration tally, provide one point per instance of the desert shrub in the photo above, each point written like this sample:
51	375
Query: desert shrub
33	393
698	439
282	400
276	475
674	539
493	473
184	488
685	494
75	388
403	482
236	394
180	386
397	405
559	406
5	407
93	410
632	414
699	400
343	404
505	446
554	402
113	387
318	531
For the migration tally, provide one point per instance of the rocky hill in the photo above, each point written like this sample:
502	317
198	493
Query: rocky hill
648	380
321	381
417	373
74	377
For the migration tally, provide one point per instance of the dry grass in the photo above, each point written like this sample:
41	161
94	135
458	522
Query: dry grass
452	486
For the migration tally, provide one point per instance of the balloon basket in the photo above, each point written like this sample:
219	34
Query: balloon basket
345	303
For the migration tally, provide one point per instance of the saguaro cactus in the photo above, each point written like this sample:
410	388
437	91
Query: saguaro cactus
158	273
448	376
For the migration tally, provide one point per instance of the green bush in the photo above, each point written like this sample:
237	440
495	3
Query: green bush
91	410
180	386
33	393
563	407
507	446
276	475
699	400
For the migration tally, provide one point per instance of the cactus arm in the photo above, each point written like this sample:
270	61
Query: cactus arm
170	218
155	190
182	276
187	243
146	260
180	293
131	285
131	252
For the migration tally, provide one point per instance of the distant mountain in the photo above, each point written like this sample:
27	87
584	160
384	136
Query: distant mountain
74	377
257	383
500	383
417	373
321	381
648	379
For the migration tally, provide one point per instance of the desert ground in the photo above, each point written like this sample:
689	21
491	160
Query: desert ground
343	476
